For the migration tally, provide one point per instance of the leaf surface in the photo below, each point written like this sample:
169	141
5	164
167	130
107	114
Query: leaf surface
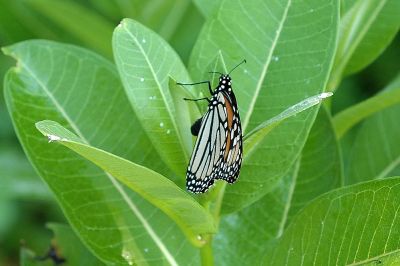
145	63
260	224
82	92
348	118
289	48
157	189
81	22
348	226
366	29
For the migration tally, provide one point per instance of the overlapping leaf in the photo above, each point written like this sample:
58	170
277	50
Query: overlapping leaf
366	29
289	47
316	172
193	219
352	225
145	63
96	32
82	92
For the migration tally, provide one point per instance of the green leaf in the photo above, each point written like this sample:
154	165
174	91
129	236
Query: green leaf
352	225
145	62
320	167
207	7
366	29
82	92
186	112
254	137
70	247
347	118
289	48
379	35
376	149
177	204
87	26
316	172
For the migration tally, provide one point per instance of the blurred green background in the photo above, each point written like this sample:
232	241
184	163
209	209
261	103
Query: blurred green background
26	204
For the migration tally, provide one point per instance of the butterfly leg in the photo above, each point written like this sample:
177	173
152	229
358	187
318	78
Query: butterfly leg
196	83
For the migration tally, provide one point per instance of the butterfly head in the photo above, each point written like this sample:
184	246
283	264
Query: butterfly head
225	82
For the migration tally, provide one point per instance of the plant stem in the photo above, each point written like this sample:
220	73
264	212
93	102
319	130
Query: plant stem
206	253
212	203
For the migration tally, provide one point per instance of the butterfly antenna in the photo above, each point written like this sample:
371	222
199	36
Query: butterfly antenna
215	72
244	61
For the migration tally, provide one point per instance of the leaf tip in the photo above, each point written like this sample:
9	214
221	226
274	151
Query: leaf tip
325	95
52	138
5	50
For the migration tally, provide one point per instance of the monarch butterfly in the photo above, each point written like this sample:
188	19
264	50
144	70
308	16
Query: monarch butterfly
217	153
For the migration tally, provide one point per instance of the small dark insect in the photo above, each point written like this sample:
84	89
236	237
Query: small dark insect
53	255
218	151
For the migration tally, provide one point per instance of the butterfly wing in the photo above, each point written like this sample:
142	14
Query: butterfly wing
208	153
233	153
218	150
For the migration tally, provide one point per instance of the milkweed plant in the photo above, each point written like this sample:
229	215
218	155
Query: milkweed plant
111	139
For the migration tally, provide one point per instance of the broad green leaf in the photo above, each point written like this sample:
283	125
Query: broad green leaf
164	17
114	9
289	48
245	235
348	226
207	7
145	62
186	112
254	137
389	259
376	150
177	204
82	23
186	32
346	119
315	172
380	34
320	167
366	29
70	247
82	92
19	22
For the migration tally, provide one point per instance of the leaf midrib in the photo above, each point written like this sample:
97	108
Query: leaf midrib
289	198
115	183
265	67
170	112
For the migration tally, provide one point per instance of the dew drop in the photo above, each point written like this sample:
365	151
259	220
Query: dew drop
161	124
311	10
128	257
52	138
168	131
141	79
199	237
146	250
143	40
245	71
275	58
